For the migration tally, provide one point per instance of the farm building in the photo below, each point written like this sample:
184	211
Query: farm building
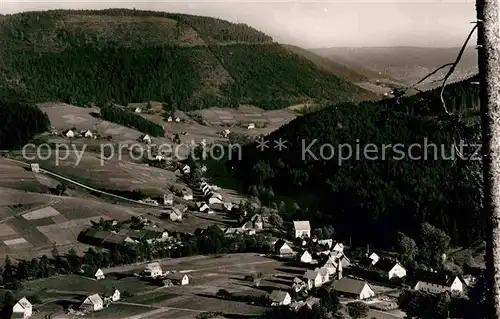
305	257
280	298
99	274
146	139
282	248
92	303
22	309
178	278
35	168
392	269
440	284
313	278
69	133
175	215
153	270
88	134
302	229
353	288
374	258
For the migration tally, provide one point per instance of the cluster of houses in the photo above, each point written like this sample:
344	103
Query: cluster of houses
71	133
92	303
153	271
109	238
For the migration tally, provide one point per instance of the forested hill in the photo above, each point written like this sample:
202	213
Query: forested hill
371	196
189	62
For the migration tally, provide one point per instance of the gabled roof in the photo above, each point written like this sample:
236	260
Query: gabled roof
438	279
176	276
349	285
386	265
93	299
301	225
278	295
326	242
24	303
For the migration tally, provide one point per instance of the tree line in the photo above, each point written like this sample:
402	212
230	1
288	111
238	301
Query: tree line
20	123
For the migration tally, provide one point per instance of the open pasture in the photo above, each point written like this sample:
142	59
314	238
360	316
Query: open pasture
32	224
18	177
237	119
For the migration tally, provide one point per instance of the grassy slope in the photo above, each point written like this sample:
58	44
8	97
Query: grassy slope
41	54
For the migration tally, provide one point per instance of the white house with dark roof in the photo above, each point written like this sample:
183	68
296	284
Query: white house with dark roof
305	257
353	288
88	134
392	269
153	270
440	284
92	303
313	278
146	139
302	228
99	274
69	133
282	248
374	258
22	309
178	278
280	298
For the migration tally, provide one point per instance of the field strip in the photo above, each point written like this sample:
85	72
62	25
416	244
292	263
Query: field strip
84	186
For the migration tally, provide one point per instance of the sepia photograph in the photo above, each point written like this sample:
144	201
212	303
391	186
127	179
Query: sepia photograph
250	159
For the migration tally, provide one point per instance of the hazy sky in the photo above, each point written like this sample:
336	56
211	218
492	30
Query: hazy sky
319	23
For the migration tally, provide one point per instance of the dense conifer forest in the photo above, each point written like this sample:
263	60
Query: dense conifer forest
127	118
19	123
372	197
127	56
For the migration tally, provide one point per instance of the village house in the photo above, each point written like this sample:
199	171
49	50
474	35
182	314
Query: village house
169	119
280	298
186	169
298	284
374	258
353	288
115	296
35	168
332	266
305	257
251	126
146	139
187	194
138	110
228	206
88	134
439	284
178	278
175	215
390	268
216	198
92	303
283	249
204	207
225	133
313	279
153	270
301	229
177	119
69	134
22	309
309	303
168	199
99	274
